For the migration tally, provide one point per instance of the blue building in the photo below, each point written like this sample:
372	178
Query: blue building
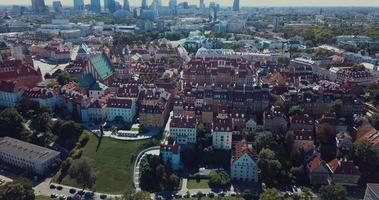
171	153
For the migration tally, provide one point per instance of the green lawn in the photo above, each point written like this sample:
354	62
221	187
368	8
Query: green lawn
113	164
42	198
193	184
214	198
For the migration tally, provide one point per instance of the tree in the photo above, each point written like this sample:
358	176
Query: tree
365	157
219	179
270	194
42	122
336	107
173	181
27	107
11	123
374	120
295	110
325	134
265	140
67	132
63	78
82	172
307	193
20	189
289	139
333	192
269	165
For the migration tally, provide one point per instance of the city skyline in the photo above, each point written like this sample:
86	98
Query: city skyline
229	3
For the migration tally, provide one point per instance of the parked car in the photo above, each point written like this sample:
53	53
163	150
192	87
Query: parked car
52	186
59	187
103	196
72	191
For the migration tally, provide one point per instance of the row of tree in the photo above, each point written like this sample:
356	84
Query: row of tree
157	176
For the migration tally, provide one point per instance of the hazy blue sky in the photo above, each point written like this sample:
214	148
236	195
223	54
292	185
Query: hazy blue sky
230	2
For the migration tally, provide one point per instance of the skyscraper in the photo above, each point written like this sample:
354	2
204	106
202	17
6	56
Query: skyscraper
38	6
172	4
106	4
79	4
126	5
202	4
236	5
276	24
95	6
144	4
57	6
110	5
213	9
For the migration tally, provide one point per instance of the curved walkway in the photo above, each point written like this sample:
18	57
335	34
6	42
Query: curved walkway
151	150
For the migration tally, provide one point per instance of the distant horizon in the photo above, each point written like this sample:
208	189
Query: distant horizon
229	3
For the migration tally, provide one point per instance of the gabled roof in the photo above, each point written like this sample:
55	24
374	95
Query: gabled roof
102	66
241	148
343	167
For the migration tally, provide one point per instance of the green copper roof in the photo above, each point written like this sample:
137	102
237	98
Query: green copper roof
102	66
87	81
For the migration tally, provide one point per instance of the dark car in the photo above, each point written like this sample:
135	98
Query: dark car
52	186
72	191
89	194
59	187
103	196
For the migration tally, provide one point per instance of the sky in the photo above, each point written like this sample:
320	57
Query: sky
251	3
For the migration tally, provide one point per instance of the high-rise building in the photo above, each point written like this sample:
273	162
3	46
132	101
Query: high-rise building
236	5
276	24
144	4
126	5
95	6
79	4
158	3
110	5
106	4
57	6
172	4
213	9
202	4
38	6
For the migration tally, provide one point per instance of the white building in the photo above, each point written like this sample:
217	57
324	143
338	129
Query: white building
183	130
222	133
243	166
96	112
44	97
353	40
121	107
27	156
97	90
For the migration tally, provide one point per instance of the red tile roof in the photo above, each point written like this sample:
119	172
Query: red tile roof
343	167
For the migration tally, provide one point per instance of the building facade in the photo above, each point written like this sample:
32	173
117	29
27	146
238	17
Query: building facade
27	156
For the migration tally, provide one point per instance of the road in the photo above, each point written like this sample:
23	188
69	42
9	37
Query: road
43	188
137	162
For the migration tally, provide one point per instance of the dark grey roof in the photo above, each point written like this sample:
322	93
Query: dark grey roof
26	150
374	187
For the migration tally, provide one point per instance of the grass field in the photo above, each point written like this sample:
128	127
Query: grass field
113	164
214	198
193	184
42	198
